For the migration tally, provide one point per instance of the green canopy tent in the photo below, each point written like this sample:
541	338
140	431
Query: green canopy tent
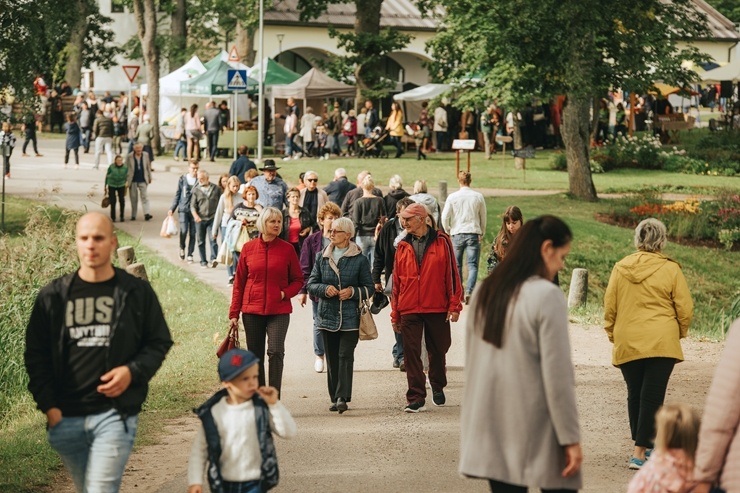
275	74
214	82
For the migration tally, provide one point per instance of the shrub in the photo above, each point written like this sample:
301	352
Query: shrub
640	151
559	162
46	250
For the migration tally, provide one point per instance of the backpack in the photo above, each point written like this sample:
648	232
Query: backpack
329	123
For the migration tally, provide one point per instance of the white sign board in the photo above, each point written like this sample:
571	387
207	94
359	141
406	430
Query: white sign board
463	145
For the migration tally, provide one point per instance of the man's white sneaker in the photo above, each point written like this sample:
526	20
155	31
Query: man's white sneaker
318	365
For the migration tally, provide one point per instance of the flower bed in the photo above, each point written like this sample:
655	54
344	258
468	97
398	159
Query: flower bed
713	221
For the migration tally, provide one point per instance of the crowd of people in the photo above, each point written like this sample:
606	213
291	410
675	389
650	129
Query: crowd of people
342	244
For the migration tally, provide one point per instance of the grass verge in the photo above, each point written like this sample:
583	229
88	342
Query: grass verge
712	274
192	310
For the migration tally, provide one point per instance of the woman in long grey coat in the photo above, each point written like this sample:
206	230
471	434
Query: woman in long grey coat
519	418
340	279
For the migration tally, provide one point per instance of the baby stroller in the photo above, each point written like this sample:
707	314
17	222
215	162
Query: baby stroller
372	146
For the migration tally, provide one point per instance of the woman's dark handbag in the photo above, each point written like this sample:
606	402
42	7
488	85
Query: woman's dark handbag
106	200
230	342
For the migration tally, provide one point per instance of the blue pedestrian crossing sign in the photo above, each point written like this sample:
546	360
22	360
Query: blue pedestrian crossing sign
237	80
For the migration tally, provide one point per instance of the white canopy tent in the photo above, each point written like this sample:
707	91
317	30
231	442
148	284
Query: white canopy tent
170	97
731	72
423	93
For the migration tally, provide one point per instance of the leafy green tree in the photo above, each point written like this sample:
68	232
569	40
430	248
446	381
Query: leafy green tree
523	50
366	46
41	38
728	8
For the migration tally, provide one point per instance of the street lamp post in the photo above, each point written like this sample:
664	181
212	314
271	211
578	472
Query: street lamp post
280	43
261	91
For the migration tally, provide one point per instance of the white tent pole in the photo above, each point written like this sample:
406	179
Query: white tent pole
261	103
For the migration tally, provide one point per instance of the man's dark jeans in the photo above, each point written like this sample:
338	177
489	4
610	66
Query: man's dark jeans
187	230
212	144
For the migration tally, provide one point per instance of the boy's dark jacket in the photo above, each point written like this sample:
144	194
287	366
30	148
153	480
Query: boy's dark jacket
269	473
139	339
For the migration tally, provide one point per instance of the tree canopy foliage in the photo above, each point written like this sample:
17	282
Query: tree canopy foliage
366	46
518	50
36	35
728	8
521	50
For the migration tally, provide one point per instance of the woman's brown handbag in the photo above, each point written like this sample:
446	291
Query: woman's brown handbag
106	200
368	331
231	341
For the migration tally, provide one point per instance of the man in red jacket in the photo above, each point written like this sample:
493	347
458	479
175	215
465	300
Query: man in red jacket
426	298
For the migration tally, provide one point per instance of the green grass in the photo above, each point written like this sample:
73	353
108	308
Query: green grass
496	173
712	274
194	312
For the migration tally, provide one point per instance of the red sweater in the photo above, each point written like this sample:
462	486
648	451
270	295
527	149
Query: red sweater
433	287
263	271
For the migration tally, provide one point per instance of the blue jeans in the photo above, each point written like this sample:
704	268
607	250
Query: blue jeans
290	146
398	347
94	448
204	228
318	340
470	245
187	230
243	487
181	146
367	245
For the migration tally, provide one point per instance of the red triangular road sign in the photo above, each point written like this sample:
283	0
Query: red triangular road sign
131	71
233	54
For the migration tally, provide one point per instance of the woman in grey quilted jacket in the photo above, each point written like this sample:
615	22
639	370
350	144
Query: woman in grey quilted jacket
340	279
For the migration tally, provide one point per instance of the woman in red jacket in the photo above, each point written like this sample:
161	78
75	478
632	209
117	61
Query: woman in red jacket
267	277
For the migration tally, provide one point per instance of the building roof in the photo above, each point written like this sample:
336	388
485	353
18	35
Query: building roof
719	26
404	14
394	13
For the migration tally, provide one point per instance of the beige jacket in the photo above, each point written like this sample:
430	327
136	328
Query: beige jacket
718	455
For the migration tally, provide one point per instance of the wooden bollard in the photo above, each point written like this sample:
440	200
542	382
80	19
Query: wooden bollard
578	288
126	256
442	191
137	270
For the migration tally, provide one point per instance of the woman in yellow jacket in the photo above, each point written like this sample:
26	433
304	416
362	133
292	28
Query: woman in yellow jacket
394	127
647	309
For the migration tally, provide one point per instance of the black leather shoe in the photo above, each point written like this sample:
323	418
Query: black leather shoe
147	217
333	408
341	405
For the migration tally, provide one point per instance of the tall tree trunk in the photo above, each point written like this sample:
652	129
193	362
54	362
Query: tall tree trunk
73	70
179	31
367	20
576	137
145	12
245	44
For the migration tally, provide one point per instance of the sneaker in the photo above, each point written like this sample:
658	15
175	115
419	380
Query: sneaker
182	254
39	155
333	408
297	155
318	365
147	217
467	298
133	218
230	282
7	176
438	398
396	363
24	155
190	259
214	263
402	366
647	453
415	407
204	265
286	158
636	463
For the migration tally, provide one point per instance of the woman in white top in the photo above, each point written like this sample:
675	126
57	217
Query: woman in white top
193	132
229	199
